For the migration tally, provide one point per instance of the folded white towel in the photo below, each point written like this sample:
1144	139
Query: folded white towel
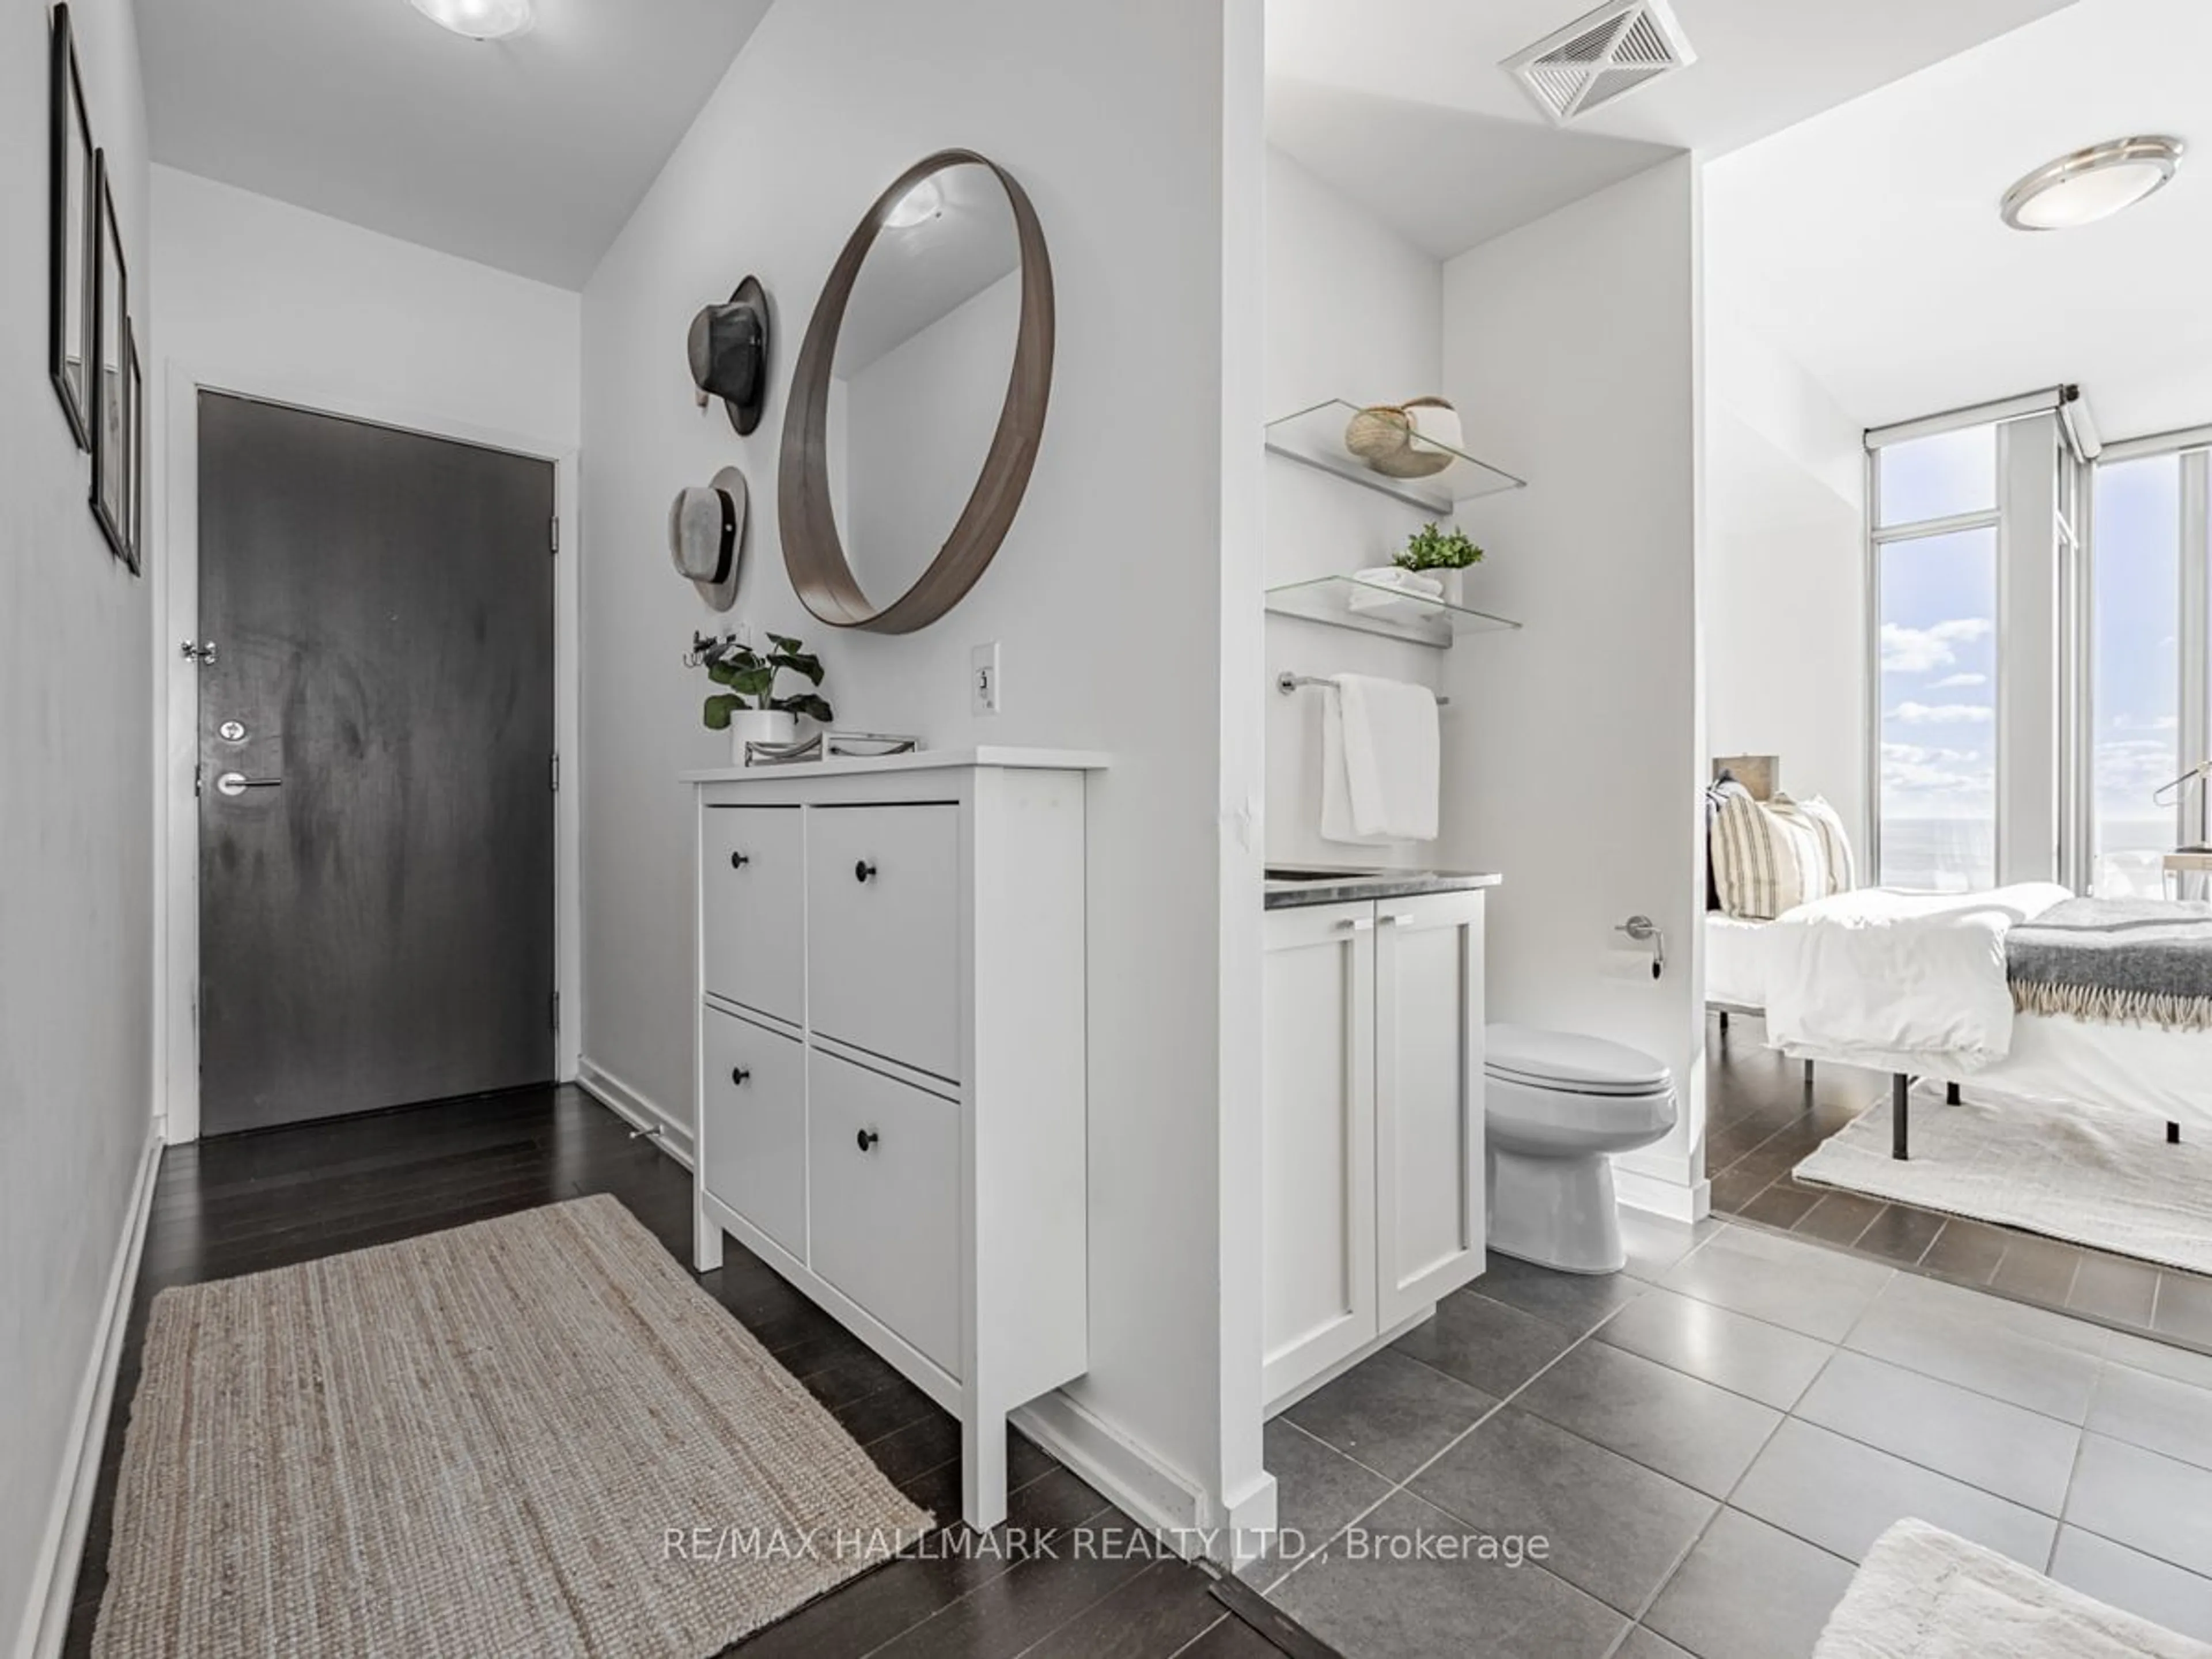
1381	762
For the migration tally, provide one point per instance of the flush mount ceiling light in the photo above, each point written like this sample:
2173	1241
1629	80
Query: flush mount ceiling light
2090	183
480	20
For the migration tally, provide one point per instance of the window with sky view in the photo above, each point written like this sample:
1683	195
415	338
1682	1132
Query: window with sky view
2135	671
1938	668
1937	552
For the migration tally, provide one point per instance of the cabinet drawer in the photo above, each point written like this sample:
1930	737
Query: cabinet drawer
752	897
882	894
752	1120
884	1181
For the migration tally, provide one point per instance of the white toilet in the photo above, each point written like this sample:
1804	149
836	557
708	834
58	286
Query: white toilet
1555	1104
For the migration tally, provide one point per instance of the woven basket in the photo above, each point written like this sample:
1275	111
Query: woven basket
1383	436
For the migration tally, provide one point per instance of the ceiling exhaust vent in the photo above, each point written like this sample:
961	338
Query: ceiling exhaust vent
1602	57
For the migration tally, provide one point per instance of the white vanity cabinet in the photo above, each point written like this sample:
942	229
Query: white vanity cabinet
891	1063
1371	1139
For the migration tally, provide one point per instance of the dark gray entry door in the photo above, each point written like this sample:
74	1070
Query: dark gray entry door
376	744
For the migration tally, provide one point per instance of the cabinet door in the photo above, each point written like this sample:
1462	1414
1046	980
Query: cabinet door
752	1126
752	898
885	1192
882	918
1428	1099
1318	1141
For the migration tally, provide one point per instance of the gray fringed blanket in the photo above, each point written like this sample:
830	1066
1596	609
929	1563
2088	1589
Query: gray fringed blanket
2125	962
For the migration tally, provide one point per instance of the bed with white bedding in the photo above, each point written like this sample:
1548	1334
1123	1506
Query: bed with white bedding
1917	985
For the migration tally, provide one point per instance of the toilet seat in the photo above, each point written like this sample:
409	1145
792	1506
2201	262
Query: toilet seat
1569	1062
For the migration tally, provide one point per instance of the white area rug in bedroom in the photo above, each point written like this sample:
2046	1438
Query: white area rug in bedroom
2090	1175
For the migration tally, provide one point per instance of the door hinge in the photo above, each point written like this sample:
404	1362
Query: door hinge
554	537
557	1010
556	771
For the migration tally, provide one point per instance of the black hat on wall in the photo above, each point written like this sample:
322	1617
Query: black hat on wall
729	354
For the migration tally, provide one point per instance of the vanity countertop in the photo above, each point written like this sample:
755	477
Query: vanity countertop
920	760
1321	884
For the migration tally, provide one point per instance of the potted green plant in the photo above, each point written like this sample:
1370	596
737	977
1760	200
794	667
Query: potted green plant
749	710
1443	554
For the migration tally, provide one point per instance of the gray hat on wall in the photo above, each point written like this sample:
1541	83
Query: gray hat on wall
729	354
707	535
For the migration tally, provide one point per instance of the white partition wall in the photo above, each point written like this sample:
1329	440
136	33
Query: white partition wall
1576	752
1123	602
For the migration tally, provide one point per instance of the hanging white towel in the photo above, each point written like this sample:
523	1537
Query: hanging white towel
1381	761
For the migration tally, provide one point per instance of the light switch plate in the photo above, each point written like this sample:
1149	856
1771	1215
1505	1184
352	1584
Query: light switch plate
984	690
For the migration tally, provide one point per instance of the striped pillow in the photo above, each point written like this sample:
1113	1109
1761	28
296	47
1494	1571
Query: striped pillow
1835	844
1766	859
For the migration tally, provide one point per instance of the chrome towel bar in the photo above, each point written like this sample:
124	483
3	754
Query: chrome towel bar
1286	682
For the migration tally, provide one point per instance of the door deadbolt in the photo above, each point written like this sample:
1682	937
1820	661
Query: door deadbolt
232	731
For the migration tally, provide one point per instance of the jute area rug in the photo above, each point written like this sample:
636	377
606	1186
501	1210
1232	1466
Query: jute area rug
535	1436
2089	1174
1924	1594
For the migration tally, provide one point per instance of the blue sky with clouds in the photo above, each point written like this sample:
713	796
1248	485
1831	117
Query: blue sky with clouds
1939	655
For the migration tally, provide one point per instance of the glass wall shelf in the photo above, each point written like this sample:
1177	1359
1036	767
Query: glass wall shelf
1314	437
1375	608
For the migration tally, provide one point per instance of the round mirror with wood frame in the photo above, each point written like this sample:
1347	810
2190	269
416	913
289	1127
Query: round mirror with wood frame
814	552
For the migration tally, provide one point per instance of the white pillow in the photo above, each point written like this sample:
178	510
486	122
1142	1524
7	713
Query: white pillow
1766	859
1835	842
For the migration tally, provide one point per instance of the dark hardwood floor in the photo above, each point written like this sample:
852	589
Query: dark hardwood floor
242	1204
1761	1120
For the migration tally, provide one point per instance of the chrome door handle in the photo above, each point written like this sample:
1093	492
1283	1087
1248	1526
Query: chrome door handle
237	783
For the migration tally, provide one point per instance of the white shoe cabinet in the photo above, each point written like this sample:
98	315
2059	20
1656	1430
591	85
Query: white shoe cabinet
891	1063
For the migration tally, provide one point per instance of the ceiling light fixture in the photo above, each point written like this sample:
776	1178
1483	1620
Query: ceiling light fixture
480	20
2090	183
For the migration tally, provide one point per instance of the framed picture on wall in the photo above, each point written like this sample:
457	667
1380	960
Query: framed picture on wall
69	296
109	410
134	475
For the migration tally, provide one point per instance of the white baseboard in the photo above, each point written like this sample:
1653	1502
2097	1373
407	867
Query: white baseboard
53	1579
675	1136
1139	1483
1657	1195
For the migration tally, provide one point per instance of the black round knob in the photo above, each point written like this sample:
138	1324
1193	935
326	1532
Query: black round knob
738	1075
738	860
863	870
866	1138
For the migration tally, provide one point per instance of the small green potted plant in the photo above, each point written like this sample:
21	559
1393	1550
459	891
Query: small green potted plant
1443	554
749	710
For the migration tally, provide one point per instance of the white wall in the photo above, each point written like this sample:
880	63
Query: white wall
1785	590
275	294
261	297
1355	312
76	774
1107	596
1574	758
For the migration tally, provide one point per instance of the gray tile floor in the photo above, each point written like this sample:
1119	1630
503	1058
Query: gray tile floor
1709	1443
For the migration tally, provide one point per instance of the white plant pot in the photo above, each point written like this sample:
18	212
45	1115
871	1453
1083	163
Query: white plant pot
759	725
1455	582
